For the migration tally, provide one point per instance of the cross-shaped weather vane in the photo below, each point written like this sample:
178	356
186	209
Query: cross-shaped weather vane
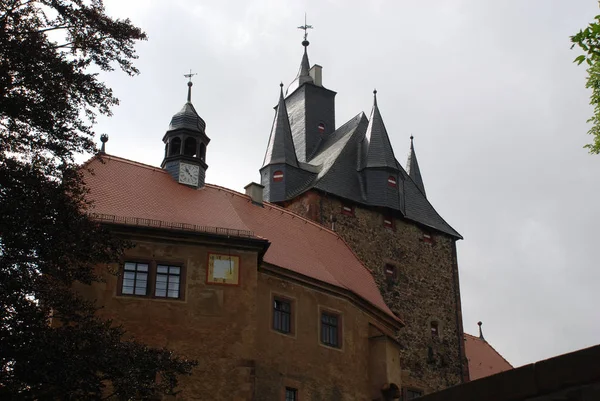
190	75
305	27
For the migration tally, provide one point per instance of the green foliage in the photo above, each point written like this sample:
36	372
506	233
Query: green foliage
52	343
588	40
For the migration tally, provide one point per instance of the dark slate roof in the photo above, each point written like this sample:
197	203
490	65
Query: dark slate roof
303	74
379	152
187	118
339	164
412	168
281	145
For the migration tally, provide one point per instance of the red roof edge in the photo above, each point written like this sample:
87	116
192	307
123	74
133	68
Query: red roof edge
490	345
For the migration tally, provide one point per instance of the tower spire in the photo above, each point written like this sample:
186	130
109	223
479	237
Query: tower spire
304	72
379	151
413	170
189	84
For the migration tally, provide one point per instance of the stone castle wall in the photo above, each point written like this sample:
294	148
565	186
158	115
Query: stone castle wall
425	288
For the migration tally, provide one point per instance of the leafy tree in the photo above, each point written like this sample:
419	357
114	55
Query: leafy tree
52	343
588	40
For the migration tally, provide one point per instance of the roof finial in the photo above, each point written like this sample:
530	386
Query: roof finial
480	332
305	27
103	139
375	97
411	141
190	83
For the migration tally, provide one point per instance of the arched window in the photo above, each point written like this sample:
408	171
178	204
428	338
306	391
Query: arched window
189	147
278	176
175	146
202	151
392	181
166	149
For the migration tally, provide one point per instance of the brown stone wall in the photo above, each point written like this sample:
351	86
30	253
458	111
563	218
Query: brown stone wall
425	288
214	324
299	360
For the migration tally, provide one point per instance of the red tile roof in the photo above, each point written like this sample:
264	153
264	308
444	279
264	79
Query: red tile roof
127	189
483	359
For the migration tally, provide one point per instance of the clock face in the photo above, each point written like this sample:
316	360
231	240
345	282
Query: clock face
188	173
223	269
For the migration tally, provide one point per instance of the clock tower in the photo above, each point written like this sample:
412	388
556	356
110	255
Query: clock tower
185	145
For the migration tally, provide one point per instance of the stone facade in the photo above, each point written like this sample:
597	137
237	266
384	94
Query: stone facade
228	329
423	290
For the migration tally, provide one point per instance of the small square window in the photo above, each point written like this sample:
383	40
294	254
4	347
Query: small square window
427	238
135	279
291	394
330	330
278	176
168	281
282	315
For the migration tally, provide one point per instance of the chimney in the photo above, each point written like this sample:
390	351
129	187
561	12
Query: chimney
316	73
255	192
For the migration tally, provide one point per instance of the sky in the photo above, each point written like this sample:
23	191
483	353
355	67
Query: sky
488	89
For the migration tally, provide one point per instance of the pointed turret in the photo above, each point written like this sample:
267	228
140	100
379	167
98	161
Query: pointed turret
412	168
379	149
280	149
185	144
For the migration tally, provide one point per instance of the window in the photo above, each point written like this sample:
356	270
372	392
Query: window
330	330
427	238
291	394
175	146
435	329
392	181
388	221
282	316
390	271
348	210
278	176
189	147
411	394
168	279
152	279
135	279
202	151
321	127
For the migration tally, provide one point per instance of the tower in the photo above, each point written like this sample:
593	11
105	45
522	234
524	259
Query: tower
185	145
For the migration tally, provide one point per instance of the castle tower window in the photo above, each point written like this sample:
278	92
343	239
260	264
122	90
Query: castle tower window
175	146
278	176
135	279
427	238
167	281
392	182
388	221
390	272
330	330
202	151
347	209
189	147
321	128
435	329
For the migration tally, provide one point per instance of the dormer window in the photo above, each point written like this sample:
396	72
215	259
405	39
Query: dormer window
348	210
278	176
392	182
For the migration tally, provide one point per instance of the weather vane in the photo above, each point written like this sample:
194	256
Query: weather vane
190	75
305	27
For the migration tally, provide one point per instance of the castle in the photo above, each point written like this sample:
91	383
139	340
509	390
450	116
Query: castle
332	279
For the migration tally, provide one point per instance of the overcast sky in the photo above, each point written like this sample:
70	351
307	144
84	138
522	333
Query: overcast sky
488	89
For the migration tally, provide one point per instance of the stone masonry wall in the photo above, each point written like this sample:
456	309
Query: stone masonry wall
425	288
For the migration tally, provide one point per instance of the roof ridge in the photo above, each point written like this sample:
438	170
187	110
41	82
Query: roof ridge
124	160
491	346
